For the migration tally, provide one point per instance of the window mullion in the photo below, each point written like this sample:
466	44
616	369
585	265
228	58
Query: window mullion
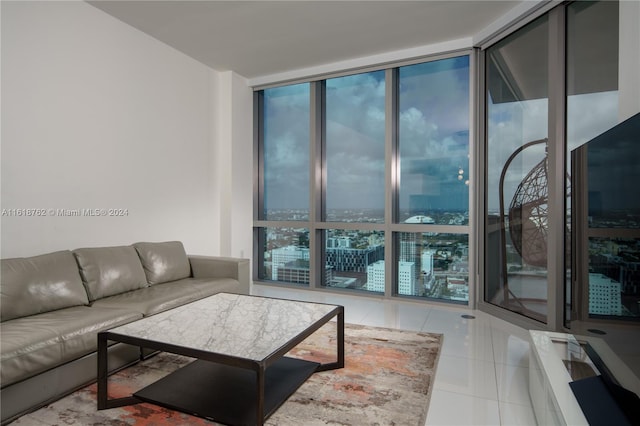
556	170
316	183
391	178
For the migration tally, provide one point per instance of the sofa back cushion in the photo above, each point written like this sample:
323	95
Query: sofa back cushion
107	271
33	285
163	262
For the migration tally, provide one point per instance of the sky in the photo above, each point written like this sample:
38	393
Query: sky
433	129
286	147
355	137
433	138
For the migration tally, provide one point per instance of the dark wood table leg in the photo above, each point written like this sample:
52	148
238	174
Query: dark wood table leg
260	382
340	337
103	373
339	346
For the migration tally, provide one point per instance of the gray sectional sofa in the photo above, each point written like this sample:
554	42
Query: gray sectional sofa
52	307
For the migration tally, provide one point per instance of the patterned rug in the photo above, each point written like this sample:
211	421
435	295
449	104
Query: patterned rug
387	380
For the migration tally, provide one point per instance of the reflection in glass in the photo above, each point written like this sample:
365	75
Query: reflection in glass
433	265
613	174
286	153
592	100
592	70
434	142
355	135
614	277
285	255
354	260
607	178
516	179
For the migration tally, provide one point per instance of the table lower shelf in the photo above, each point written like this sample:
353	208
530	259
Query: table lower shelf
227	394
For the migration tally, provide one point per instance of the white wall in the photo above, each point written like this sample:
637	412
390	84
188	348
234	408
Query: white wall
96	114
234	164
241	205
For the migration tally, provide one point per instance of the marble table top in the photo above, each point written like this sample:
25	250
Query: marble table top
248	327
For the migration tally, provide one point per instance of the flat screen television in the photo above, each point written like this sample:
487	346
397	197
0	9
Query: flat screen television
605	216
605	219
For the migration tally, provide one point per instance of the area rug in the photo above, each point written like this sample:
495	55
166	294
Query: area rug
387	380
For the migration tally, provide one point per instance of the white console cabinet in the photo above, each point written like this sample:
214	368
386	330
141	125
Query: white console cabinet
554	358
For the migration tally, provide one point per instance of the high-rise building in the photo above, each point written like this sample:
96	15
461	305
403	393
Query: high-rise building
604	295
335	242
407	279
375	277
426	262
410	247
282	255
297	271
346	259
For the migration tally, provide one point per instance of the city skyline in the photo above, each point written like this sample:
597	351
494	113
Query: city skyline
355	260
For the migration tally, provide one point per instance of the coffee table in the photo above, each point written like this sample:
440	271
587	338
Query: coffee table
240	375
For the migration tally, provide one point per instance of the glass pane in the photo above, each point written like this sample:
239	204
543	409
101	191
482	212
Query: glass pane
355	260
286	153
613	173
516	180
592	70
285	255
614	277
592	108
609	183
434	265
355	135
434	142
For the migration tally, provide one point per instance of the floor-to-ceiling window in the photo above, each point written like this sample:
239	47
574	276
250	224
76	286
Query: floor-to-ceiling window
592	107
434	179
606	217
354	163
517	170
551	88
363	181
283	245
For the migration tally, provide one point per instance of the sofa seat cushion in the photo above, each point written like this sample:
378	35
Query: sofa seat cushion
37	343
210	286
107	271
33	285
163	262
161	297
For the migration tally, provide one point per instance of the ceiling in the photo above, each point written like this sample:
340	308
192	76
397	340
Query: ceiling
261	38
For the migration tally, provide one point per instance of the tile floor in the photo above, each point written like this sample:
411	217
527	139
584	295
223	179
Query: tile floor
483	372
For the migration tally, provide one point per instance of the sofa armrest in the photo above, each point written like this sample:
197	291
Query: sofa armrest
221	267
